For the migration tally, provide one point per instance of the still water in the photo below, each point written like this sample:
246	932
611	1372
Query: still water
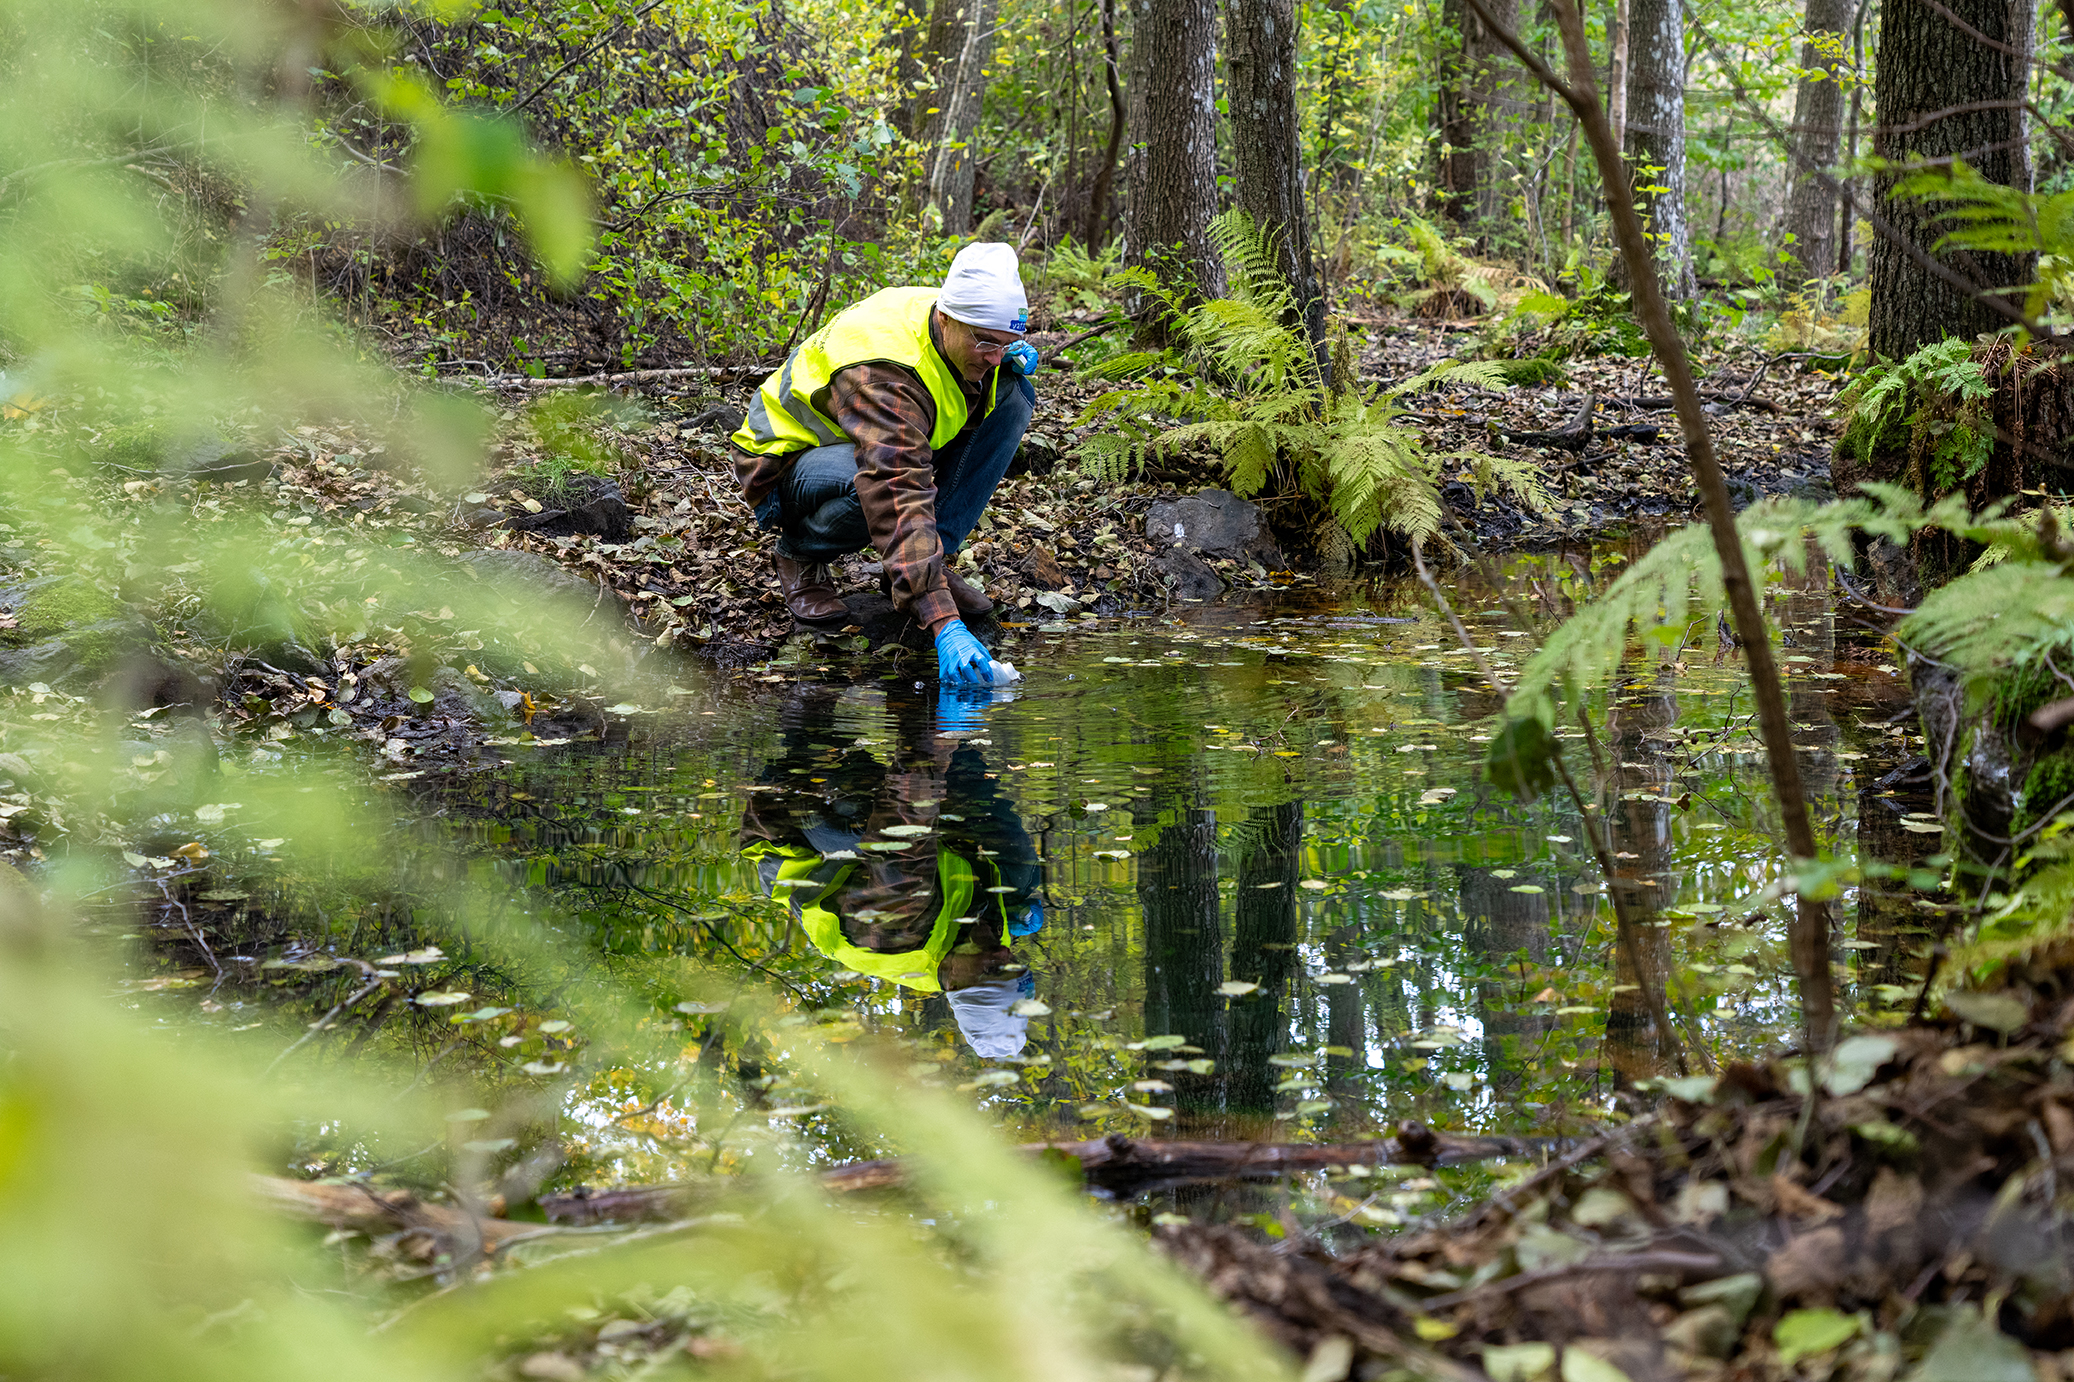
1232	870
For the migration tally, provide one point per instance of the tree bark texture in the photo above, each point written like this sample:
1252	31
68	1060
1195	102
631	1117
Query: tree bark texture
1184	950
1943	94
1477	100
965	50
1260	41
1617	70
1105	176
1655	137
1818	110
1171	171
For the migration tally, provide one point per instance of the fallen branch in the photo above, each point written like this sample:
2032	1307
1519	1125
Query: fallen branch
1574	435
1118	1164
376	1212
714	374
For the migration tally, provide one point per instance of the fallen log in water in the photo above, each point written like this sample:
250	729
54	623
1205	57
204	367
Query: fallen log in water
1117	1164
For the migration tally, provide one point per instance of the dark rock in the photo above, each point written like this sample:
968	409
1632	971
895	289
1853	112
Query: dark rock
1188	576
478	516
719	418
525	579
287	655
414	503
1214	521
140	680
49	661
595	507
210	458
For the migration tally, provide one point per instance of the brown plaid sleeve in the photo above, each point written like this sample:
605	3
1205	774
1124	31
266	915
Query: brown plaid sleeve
758	475
888	413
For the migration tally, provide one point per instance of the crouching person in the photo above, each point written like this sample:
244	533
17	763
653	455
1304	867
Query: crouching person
890	427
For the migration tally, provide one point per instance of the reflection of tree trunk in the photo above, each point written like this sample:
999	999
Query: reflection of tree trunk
1810	621
1500	923
1263	951
1634	1048
1344	1023
1184	952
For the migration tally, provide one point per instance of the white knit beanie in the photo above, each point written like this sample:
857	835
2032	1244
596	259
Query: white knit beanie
984	288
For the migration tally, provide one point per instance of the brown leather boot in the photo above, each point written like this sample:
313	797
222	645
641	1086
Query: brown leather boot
972	602
809	591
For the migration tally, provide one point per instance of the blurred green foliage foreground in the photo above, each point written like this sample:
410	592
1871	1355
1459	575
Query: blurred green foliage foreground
133	1241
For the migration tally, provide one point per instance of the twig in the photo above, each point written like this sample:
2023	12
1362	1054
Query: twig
555	75
1053	354
1810	934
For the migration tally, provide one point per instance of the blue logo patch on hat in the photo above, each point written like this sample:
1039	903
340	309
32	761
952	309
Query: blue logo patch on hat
1021	322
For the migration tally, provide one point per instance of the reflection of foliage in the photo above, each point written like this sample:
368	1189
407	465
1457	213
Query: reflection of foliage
1250	386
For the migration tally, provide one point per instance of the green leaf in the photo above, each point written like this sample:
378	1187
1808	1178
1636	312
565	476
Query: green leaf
1803	1332
422	695
1852	1063
1972	1350
1995	1011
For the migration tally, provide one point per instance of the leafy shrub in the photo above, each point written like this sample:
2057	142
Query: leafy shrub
1247	383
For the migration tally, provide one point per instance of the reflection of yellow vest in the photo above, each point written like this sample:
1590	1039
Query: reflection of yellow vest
890	325
916	969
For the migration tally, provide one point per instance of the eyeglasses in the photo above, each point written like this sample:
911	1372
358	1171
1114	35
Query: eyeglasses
987	349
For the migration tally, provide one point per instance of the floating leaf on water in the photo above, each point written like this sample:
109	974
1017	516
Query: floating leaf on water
544	1067
1149	1111
1504	873
1314	1106
689	1006
1095	806
1558	839
479	1015
442	1000
1461	1080
1166	1042
1333	978
1996	1011
1400	895
906	831
625	708
886	846
493	1144
1112	854
1237	988
1151	1087
214	813
794	1110
429	955
1316	885
1030	1007
550	1028
1525	888
991	1079
1923	827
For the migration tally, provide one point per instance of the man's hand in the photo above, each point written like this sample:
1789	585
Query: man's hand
960	660
1021	357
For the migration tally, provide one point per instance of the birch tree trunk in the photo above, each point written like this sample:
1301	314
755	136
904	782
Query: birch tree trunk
1261	44
1171	170
1817	126
1655	139
1944	94
958	95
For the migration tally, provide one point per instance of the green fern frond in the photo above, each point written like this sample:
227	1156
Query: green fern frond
1249	265
1110	459
1482	374
1133	364
1989	620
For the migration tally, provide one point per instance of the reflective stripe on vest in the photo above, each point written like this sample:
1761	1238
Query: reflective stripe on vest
915	969
891	325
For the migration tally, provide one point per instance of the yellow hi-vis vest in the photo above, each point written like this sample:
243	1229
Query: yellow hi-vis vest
915	969
789	413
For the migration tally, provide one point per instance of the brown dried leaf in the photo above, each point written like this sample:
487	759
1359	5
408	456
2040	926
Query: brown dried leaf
1893	1202
1809	1265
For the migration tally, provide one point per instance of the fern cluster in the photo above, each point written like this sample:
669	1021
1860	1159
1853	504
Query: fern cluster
1936	399
1244	381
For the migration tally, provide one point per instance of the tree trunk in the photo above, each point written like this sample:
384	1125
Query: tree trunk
1171	171
1617	70
1817	120
1261	38
1851	185
1475	99
960	89
1927	66
1655	139
1105	176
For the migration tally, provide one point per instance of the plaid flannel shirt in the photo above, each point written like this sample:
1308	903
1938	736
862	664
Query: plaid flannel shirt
886	411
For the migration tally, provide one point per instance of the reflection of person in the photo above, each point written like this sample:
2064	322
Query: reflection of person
916	870
891	427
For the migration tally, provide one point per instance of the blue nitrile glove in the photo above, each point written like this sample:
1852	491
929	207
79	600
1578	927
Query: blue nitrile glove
960	660
1021	357
958	707
1032	921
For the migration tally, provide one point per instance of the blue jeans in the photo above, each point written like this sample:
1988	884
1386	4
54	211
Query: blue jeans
819	517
